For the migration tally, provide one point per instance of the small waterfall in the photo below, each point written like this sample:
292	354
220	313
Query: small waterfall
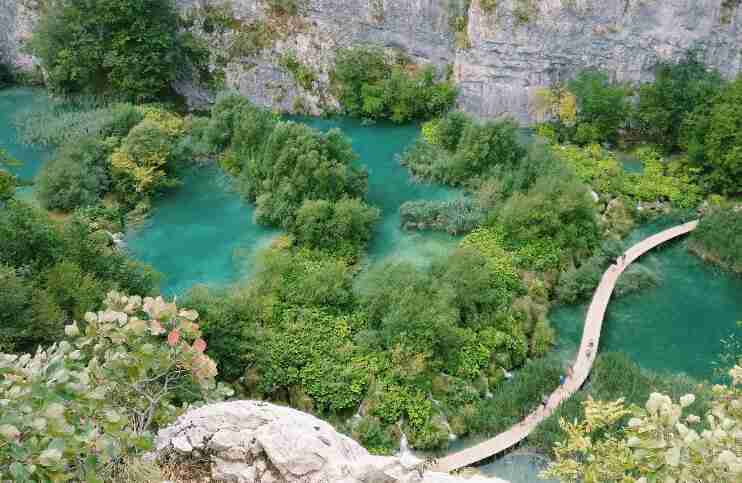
118	240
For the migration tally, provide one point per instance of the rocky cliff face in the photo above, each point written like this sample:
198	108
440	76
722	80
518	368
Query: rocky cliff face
500	56
257	442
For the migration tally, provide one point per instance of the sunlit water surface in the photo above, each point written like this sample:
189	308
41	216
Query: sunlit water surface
205	233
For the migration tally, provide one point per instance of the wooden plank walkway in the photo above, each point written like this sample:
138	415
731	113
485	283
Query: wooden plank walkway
582	366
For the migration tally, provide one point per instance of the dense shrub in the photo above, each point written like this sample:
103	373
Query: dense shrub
665	180
343	227
589	109
75	177
127	47
718	238
454	217
478	149
299	163
370	84
602	108
713	137
52	274
82	404
551	224
678	90
515	399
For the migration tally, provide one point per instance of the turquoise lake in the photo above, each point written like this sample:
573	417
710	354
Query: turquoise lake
203	232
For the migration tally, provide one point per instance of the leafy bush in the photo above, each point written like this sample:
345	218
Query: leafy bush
678	90
82	404
372	85
51	275
718	238
299	163
602	108
515	399
662	440
713	136
343	227
478	150
75	177
454	217
127	47
552	223
665	180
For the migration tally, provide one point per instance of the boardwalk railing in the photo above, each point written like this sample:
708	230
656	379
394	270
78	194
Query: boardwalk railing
583	363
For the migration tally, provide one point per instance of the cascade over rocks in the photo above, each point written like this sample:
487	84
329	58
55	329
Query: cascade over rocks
259	442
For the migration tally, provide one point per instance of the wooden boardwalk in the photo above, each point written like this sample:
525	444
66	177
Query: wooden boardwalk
582	366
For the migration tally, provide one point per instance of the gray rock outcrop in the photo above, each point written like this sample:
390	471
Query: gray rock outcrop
499	57
258	442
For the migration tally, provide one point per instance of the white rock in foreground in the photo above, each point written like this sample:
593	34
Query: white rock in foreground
258	442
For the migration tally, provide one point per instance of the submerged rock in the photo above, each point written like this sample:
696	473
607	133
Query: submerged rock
252	441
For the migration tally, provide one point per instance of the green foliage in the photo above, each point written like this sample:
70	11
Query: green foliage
551	224
77	175
371	85
81	404
303	74
713	136
613	376
127	47
602	108
447	130
8	182
455	150
718	238
342	228
454	217
665	180
678	90
53	274
299	163
513	400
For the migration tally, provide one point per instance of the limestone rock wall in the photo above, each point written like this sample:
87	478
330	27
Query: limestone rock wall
506	54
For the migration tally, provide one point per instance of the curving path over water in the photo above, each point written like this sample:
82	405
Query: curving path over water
582	366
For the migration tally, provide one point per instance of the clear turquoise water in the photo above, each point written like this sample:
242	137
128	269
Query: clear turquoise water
676	326
14	102
204	233
517	468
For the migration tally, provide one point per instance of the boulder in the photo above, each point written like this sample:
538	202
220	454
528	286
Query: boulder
258	442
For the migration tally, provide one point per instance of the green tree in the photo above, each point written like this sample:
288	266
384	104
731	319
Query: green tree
76	176
659	442
483	147
342	228
713	136
602	107
678	90
129	47
299	163
372	84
